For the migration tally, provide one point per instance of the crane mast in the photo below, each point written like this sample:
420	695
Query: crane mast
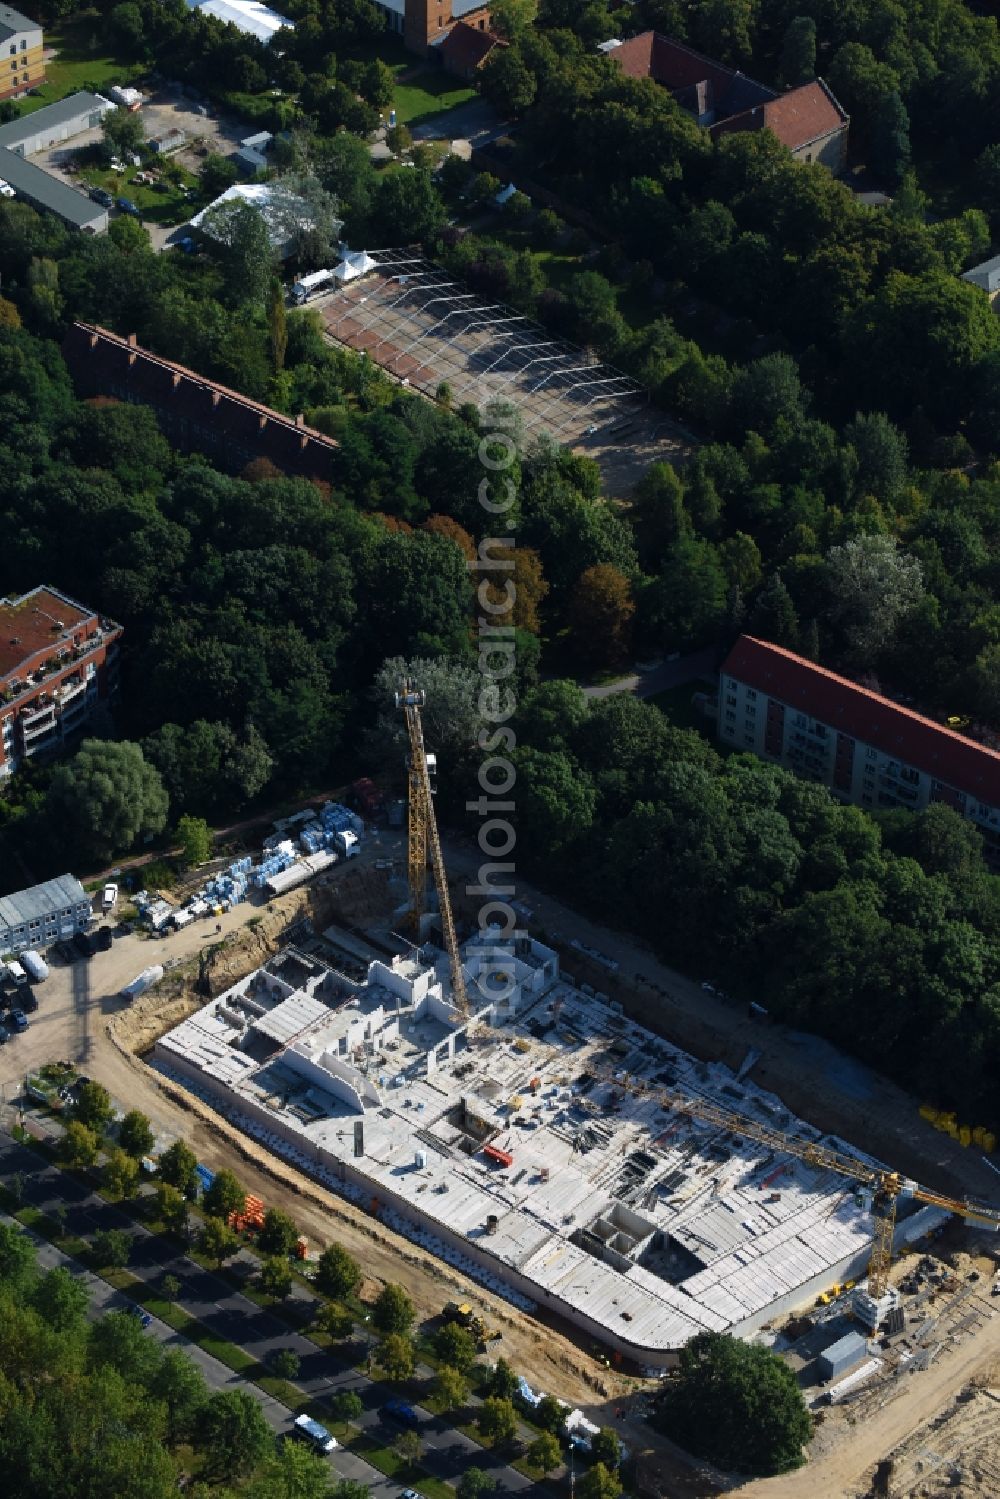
423	833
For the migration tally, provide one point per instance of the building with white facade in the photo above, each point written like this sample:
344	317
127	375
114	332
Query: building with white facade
502	1143
867	749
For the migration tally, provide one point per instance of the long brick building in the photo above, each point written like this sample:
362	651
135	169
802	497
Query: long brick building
867	749
58	659
196	414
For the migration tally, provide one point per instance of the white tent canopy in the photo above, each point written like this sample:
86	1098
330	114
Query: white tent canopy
353	263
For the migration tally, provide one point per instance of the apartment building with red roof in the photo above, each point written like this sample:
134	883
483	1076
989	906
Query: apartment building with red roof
808	120
58	660
866	748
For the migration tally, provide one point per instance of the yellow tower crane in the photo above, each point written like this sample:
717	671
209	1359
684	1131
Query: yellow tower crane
884	1187
423	831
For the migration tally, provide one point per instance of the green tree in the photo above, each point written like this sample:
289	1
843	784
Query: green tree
218	1240
409	1447
399	139
293	1472
798	51
112	1248
599	1482
93	1106
544	1453
456	1346
121	132
180	1385
394	1356
239	232
106	798
337	1274
890	153
736	1404
346	1405
234	1434
606	1448
171	1287
224	1197
475	1483
216	175
79	1145
873	585
178	1166
17	1258
121	1174
335	1321
276	1278
601	612
506	81
512	19
550	1414
392	1310
195	838
502	1380
278	326
407	207
135	1135
60	1300
497	1420
450	1387
286	1363
278	1233
774	616
171	1207
117	1341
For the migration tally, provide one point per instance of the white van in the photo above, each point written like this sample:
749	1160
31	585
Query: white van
15	972
35	965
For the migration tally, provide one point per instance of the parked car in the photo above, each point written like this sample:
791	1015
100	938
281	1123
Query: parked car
109	897
316	1435
83	944
6	191
4	1035
125	205
27	1001
400	1411
102	938
65	951
102	197
134	1310
19	1020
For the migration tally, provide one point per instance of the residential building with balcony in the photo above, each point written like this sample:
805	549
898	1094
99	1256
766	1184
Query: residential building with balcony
43	913
22	55
58	660
866	748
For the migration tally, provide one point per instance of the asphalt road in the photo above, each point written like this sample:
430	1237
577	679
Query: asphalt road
694	668
233	1316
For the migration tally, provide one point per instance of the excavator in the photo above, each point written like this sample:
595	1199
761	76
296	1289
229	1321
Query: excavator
879	1188
423	830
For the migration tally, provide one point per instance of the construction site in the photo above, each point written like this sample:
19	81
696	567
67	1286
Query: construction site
521	1127
425	328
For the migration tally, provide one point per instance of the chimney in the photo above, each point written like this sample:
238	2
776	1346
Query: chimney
300	420
132	341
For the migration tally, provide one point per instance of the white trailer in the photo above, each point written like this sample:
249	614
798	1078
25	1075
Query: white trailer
143	981
308	286
35	965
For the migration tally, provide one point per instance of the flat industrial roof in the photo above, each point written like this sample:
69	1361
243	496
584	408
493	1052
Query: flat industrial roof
61	113
39	187
39	901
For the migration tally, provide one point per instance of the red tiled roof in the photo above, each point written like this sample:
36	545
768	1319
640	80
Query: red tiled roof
467	47
678	67
31	621
796	118
867	716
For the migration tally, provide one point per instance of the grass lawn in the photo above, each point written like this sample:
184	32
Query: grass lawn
281	1390
163	204
227	1353
82	62
676	704
428	93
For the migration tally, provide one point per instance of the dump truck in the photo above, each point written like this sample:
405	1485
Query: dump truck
466	1316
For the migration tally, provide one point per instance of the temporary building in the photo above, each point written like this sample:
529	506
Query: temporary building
248	16
842	1355
353	264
